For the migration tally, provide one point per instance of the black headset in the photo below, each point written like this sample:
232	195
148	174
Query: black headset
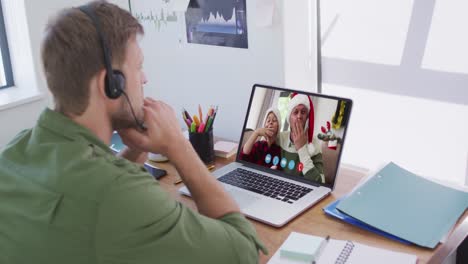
115	79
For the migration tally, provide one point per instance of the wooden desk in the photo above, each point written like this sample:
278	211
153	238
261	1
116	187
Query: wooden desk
315	222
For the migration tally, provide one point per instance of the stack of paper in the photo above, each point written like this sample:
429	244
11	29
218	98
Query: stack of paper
405	206
225	149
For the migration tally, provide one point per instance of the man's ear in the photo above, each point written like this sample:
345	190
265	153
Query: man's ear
100	79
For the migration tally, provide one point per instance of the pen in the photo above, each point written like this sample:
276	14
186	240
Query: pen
210	112
200	113
184	117
206	120
188	123
208	124
320	250
214	114
196	120
178	180
193	127
201	129
188	115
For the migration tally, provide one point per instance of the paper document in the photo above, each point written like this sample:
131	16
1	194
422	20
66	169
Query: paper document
179	5
265	10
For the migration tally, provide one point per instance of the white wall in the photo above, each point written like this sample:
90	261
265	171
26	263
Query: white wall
16	119
24	116
300	44
185	75
404	63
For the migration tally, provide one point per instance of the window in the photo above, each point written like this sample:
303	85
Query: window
283	102
6	75
17	64
404	64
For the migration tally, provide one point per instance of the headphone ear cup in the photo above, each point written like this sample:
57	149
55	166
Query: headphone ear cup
116	87
119	80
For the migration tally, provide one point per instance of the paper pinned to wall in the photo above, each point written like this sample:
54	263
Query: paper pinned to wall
265	10
180	5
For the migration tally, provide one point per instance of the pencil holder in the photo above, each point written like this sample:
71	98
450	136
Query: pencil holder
203	145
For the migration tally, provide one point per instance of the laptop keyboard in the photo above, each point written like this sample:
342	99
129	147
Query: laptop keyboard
267	186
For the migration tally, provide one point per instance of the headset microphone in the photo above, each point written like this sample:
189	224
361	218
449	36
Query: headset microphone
115	79
140	124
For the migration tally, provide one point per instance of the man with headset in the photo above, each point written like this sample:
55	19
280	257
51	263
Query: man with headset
67	199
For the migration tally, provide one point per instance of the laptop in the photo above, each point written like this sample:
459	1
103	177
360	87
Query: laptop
270	180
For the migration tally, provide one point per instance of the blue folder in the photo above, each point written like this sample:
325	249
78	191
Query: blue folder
332	211
406	205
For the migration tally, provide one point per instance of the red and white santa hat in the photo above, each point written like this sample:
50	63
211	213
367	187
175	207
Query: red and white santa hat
276	112
302	99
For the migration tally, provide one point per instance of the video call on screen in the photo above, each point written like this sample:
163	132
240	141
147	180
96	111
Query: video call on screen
295	133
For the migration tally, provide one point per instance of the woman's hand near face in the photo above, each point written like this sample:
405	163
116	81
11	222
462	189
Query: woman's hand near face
268	133
264	132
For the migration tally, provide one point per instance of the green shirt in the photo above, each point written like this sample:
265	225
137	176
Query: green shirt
65	198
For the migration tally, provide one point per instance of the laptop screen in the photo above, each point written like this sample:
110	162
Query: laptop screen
299	134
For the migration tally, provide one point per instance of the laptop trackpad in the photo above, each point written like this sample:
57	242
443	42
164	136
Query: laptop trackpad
243	199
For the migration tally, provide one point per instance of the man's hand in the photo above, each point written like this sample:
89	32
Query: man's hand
298	135
163	133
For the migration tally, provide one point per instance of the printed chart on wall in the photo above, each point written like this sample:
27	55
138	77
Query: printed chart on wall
164	18
217	22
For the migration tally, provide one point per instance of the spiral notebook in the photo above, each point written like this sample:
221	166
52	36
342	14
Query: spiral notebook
348	252
341	251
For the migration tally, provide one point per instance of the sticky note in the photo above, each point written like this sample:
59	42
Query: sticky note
300	247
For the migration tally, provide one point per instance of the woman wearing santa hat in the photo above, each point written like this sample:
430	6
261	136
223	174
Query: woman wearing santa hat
301	155
263	151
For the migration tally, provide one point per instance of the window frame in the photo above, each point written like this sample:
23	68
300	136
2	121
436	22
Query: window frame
5	53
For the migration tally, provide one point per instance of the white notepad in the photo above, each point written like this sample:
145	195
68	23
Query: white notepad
341	252
347	252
